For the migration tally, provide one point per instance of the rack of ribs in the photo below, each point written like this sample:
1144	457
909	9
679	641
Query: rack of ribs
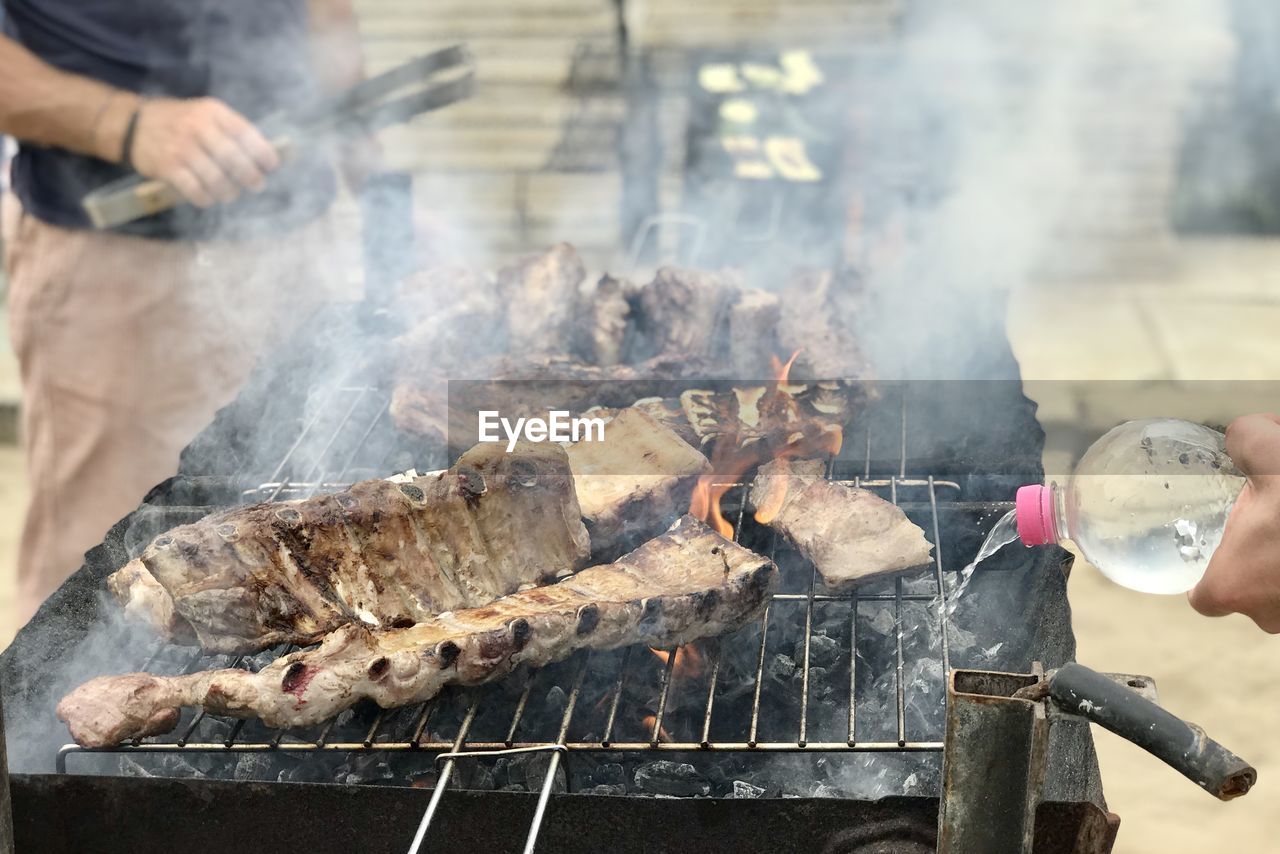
686	584
380	553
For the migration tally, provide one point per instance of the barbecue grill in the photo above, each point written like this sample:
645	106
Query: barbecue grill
826	696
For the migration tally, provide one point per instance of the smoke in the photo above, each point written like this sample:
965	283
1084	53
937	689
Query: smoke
1043	141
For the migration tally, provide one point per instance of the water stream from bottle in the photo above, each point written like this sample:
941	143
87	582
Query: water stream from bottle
1004	532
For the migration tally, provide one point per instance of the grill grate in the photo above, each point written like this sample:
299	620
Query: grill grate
340	414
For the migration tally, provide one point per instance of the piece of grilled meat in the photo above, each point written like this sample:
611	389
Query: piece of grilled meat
379	553
634	483
849	534
686	584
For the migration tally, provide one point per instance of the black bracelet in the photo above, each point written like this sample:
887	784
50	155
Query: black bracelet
130	131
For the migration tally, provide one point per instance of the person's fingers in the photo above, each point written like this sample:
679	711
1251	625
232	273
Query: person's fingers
1253	443
258	148
191	188
1206	598
215	182
232	159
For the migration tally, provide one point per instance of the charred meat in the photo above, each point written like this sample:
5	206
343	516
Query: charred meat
849	534
379	553
686	584
634	483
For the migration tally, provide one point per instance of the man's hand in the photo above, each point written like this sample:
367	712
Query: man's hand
205	149
1244	573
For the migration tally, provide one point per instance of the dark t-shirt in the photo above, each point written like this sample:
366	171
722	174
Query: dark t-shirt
253	54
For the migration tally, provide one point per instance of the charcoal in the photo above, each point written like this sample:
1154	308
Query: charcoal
425	780
608	789
677	779
782	667
366	769
822	790
608	774
530	770
310	769
742	789
478	776
882	622
823	651
556	702
129	767
255	766
501	767
821	685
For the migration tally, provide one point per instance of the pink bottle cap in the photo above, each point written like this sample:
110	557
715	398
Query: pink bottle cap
1034	509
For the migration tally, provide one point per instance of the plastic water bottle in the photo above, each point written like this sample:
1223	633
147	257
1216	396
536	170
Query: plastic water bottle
1146	505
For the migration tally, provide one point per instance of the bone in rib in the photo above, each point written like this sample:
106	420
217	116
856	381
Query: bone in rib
849	534
382	553
686	584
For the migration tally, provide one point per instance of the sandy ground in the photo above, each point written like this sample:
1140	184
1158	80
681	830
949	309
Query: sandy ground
1218	673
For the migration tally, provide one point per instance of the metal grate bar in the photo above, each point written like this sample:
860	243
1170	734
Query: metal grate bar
423	719
667	670
755	700
306	431
943	607
899	684
443	780
519	712
372	734
605	739
804	676
493	746
553	766
853	672
716	649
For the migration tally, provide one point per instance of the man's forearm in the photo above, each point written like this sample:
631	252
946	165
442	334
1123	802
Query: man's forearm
44	105
338	57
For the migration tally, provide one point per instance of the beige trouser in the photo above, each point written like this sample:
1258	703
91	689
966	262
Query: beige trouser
127	346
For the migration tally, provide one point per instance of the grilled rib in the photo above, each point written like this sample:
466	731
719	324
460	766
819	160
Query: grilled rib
380	553
850	535
686	584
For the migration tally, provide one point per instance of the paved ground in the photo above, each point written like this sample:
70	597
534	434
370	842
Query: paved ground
1215	318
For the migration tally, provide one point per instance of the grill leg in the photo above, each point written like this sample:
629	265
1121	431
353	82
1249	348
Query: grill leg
993	764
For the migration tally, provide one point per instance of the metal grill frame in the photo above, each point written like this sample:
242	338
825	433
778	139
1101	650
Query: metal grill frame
315	480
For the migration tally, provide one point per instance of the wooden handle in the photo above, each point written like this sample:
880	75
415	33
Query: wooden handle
156	196
109	207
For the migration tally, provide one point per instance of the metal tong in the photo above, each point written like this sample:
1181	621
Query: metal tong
390	98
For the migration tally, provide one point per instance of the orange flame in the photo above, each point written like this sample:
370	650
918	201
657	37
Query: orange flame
689	661
726	470
648	721
828	441
730	460
782	370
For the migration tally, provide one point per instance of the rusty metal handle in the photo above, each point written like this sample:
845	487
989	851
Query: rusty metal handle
1182	746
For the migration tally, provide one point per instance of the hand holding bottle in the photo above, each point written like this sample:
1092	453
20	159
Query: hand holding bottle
1244	572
